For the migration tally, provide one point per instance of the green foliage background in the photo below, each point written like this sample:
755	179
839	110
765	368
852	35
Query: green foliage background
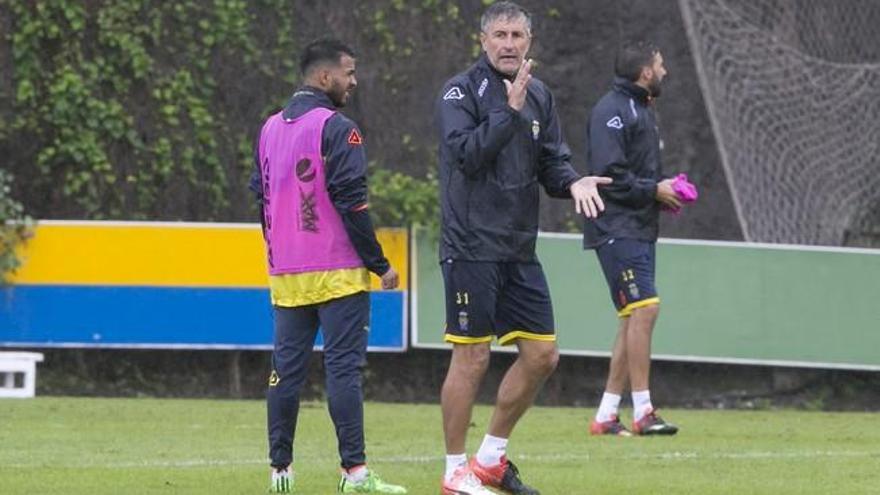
118	107
141	109
14	227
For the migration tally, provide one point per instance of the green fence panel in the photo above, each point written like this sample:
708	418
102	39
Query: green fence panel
720	302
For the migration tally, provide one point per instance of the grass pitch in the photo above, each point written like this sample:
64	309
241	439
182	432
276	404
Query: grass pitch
133	446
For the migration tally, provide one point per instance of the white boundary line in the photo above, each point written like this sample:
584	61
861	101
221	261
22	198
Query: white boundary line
732	244
672	456
159	347
135	223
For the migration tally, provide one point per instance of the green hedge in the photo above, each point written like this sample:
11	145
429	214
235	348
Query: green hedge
139	109
123	106
15	227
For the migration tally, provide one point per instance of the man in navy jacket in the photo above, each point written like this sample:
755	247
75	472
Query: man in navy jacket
500	141
623	142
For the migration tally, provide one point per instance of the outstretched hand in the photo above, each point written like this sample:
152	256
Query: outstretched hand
585	192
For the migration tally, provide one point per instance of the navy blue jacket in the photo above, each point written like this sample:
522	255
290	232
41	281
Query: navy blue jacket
345	167
492	160
623	142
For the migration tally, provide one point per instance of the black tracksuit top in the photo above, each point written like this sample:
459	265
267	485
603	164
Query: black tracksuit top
623	142
492	161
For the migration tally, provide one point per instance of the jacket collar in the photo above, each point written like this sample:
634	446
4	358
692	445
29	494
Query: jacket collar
304	99
483	62
632	90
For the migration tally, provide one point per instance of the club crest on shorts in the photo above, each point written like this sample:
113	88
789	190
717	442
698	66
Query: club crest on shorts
634	291
536	129
273	379
463	321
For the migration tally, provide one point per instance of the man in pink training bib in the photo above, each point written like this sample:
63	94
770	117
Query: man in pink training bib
310	180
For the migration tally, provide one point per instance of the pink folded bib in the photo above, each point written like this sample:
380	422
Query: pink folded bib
686	192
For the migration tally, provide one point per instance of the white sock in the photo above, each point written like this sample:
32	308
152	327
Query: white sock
277	471
641	403
608	407
453	462
356	474
491	450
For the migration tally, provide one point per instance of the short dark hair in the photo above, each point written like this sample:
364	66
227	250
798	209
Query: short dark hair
324	50
504	10
632	57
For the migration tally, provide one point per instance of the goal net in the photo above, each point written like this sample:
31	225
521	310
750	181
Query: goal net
792	88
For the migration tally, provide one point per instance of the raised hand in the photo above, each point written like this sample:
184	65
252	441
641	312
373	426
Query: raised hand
516	91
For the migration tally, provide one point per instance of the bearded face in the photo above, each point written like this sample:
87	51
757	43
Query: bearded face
655	85
658	73
342	81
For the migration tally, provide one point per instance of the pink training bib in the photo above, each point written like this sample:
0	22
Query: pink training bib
303	230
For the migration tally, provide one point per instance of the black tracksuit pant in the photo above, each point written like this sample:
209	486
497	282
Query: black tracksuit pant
344	324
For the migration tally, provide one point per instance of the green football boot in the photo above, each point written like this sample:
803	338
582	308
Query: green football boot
281	480
371	484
